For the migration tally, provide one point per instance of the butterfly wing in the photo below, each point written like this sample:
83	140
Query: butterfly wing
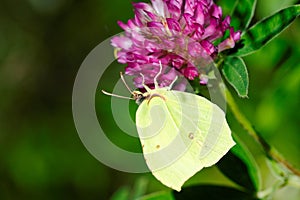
180	135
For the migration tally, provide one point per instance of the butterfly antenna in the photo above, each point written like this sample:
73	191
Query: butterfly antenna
128	88
157	75
143	83
115	95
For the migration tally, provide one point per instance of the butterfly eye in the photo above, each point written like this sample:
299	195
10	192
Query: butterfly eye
140	98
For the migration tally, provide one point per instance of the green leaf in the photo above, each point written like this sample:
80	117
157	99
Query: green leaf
163	195
121	194
265	30
139	188
125	193
242	151
240	166
212	192
236	170
227	6
235	72
242	14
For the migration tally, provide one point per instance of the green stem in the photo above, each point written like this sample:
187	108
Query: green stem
270	152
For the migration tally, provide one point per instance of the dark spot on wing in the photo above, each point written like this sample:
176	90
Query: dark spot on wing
191	136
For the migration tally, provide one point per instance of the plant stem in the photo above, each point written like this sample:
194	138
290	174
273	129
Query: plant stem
270	152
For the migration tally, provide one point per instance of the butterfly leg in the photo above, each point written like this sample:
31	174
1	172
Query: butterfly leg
171	85
157	75
143	83
128	88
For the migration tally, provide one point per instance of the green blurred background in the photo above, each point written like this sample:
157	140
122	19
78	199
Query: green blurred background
43	43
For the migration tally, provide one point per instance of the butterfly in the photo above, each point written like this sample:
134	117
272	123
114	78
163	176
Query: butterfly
180	132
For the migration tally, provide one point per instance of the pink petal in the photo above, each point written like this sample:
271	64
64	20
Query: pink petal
216	11
122	42
155	25
190	73
203	79
209	47
199	15
173	24
143	6
160	8
229	42
195	49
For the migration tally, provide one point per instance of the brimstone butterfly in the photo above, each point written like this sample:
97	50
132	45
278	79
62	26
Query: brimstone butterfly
180	132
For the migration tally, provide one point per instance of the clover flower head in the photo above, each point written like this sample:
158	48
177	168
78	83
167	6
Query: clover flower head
180	34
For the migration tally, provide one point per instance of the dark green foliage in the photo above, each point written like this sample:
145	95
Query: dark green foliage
212	192
265	30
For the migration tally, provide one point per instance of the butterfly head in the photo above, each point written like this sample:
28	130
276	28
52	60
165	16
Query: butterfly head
139	97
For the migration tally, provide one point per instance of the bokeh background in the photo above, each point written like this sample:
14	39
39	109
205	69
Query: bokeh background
42	45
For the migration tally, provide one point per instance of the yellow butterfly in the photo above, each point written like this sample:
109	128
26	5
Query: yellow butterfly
180	132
